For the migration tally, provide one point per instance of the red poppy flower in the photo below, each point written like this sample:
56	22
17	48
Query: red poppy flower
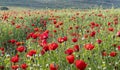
76	48
118	34
53	66
77	27
110	29
69	51
70	28
60	40
89	46
15	67
32	24
70	59
24	66
12	22
92	23
20	48
113	54
5	17
109	23
114	45
92	34
100	15
80	64
31	52
97	25
12	41
65	38
57	26
2	48
115	22
43	43
44	36
31	34
85	36
118	47
2	67
19	43
42	52
74	40
15	59
46	48
60	23
54	31
99	41
54	21
34	36
18	26
53	46
104	53
36	29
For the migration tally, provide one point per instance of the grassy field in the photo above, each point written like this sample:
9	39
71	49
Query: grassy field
65	39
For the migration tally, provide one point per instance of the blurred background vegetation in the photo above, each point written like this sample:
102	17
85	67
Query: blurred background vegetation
57	4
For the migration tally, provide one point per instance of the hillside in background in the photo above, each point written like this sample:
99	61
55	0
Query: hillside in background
61	3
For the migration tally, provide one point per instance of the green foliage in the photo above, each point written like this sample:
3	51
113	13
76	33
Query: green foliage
4	8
